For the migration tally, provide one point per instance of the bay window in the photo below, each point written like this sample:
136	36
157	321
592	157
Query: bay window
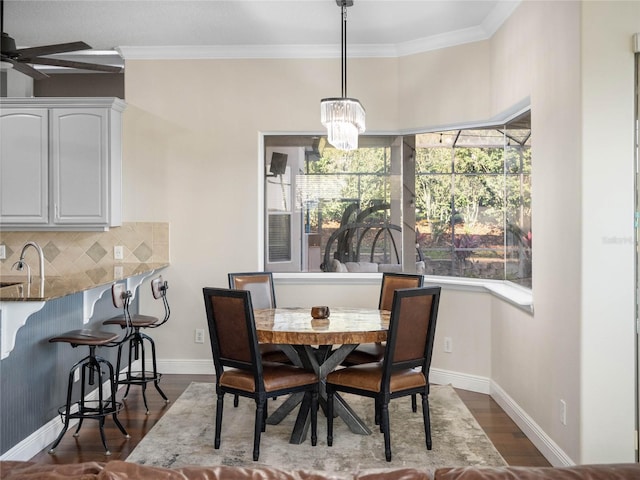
451	203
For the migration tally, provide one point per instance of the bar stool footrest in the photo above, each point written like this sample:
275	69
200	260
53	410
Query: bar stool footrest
91	412
138	378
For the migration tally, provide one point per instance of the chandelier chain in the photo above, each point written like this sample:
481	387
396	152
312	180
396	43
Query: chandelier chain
344	50
343	117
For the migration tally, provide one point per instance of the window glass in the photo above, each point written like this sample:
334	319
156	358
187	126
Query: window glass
469	189
518	234
473	202
345	214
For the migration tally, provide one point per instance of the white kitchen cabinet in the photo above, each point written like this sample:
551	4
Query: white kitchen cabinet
24	166
74	150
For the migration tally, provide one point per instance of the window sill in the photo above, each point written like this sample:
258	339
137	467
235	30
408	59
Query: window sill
511	293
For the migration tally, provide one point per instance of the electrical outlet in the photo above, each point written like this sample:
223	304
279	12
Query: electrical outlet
3	252
563	412
76	375
118	252
448	345
199	335
118	271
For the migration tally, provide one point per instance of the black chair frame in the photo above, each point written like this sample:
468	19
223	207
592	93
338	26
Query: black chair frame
253	364
241	281
388	278
389	366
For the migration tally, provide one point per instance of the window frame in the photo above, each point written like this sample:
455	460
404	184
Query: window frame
522	295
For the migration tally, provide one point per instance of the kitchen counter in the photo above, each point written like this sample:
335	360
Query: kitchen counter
56	287
20	300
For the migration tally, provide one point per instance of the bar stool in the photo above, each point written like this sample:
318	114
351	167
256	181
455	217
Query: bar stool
93	366
136	341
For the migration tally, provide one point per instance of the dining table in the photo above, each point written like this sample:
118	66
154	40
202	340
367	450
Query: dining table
320	345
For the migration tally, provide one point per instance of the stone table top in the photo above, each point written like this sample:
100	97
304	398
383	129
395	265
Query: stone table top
295	326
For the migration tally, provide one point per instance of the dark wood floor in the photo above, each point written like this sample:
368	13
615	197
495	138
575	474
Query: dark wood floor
512	444
506	436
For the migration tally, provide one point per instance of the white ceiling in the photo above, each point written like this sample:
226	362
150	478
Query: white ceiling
310	28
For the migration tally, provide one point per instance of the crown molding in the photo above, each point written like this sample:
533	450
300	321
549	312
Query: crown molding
491	24
500	13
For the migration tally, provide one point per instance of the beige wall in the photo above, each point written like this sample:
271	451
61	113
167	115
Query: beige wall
445	87
191	158
537	359
607	304
575	61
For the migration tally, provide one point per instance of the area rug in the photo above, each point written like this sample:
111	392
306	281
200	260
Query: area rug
184	436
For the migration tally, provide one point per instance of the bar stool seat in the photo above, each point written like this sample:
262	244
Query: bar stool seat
85	336
93	369
137	320
136	341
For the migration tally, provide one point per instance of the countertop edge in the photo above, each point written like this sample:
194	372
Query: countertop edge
61	286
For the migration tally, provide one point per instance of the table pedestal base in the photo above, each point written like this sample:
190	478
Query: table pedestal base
322	361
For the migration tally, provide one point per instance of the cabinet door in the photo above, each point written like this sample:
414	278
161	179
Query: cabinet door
79	154
24	145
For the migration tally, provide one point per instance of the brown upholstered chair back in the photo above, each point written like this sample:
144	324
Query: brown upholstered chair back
394	281
232	330
412	329
260	284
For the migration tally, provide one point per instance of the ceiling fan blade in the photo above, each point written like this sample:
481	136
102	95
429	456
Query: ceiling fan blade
28	53
26	69
58	62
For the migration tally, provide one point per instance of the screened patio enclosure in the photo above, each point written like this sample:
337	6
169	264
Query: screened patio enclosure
447	203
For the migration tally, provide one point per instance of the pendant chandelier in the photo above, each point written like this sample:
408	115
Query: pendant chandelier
343	117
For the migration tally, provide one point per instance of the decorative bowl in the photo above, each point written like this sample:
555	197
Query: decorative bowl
320	312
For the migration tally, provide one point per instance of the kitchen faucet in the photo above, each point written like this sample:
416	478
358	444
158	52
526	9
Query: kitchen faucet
19	265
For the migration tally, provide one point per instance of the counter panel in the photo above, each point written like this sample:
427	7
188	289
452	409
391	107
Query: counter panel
33	379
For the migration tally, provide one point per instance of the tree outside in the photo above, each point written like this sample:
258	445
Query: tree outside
472	203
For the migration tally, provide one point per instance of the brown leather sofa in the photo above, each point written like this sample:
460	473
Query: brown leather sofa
119	470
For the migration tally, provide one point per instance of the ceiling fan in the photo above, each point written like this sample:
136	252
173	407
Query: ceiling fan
22	59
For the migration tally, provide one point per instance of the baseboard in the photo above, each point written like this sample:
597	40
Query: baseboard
186	367
473	383
45	435
37	441
549	449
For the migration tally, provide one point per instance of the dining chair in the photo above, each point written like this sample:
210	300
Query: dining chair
260	284
412	328
263	295
374	352
238	363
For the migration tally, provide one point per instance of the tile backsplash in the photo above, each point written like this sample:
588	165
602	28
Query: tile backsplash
70	252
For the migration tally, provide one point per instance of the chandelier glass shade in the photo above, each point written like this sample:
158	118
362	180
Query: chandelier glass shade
343	117
344	120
